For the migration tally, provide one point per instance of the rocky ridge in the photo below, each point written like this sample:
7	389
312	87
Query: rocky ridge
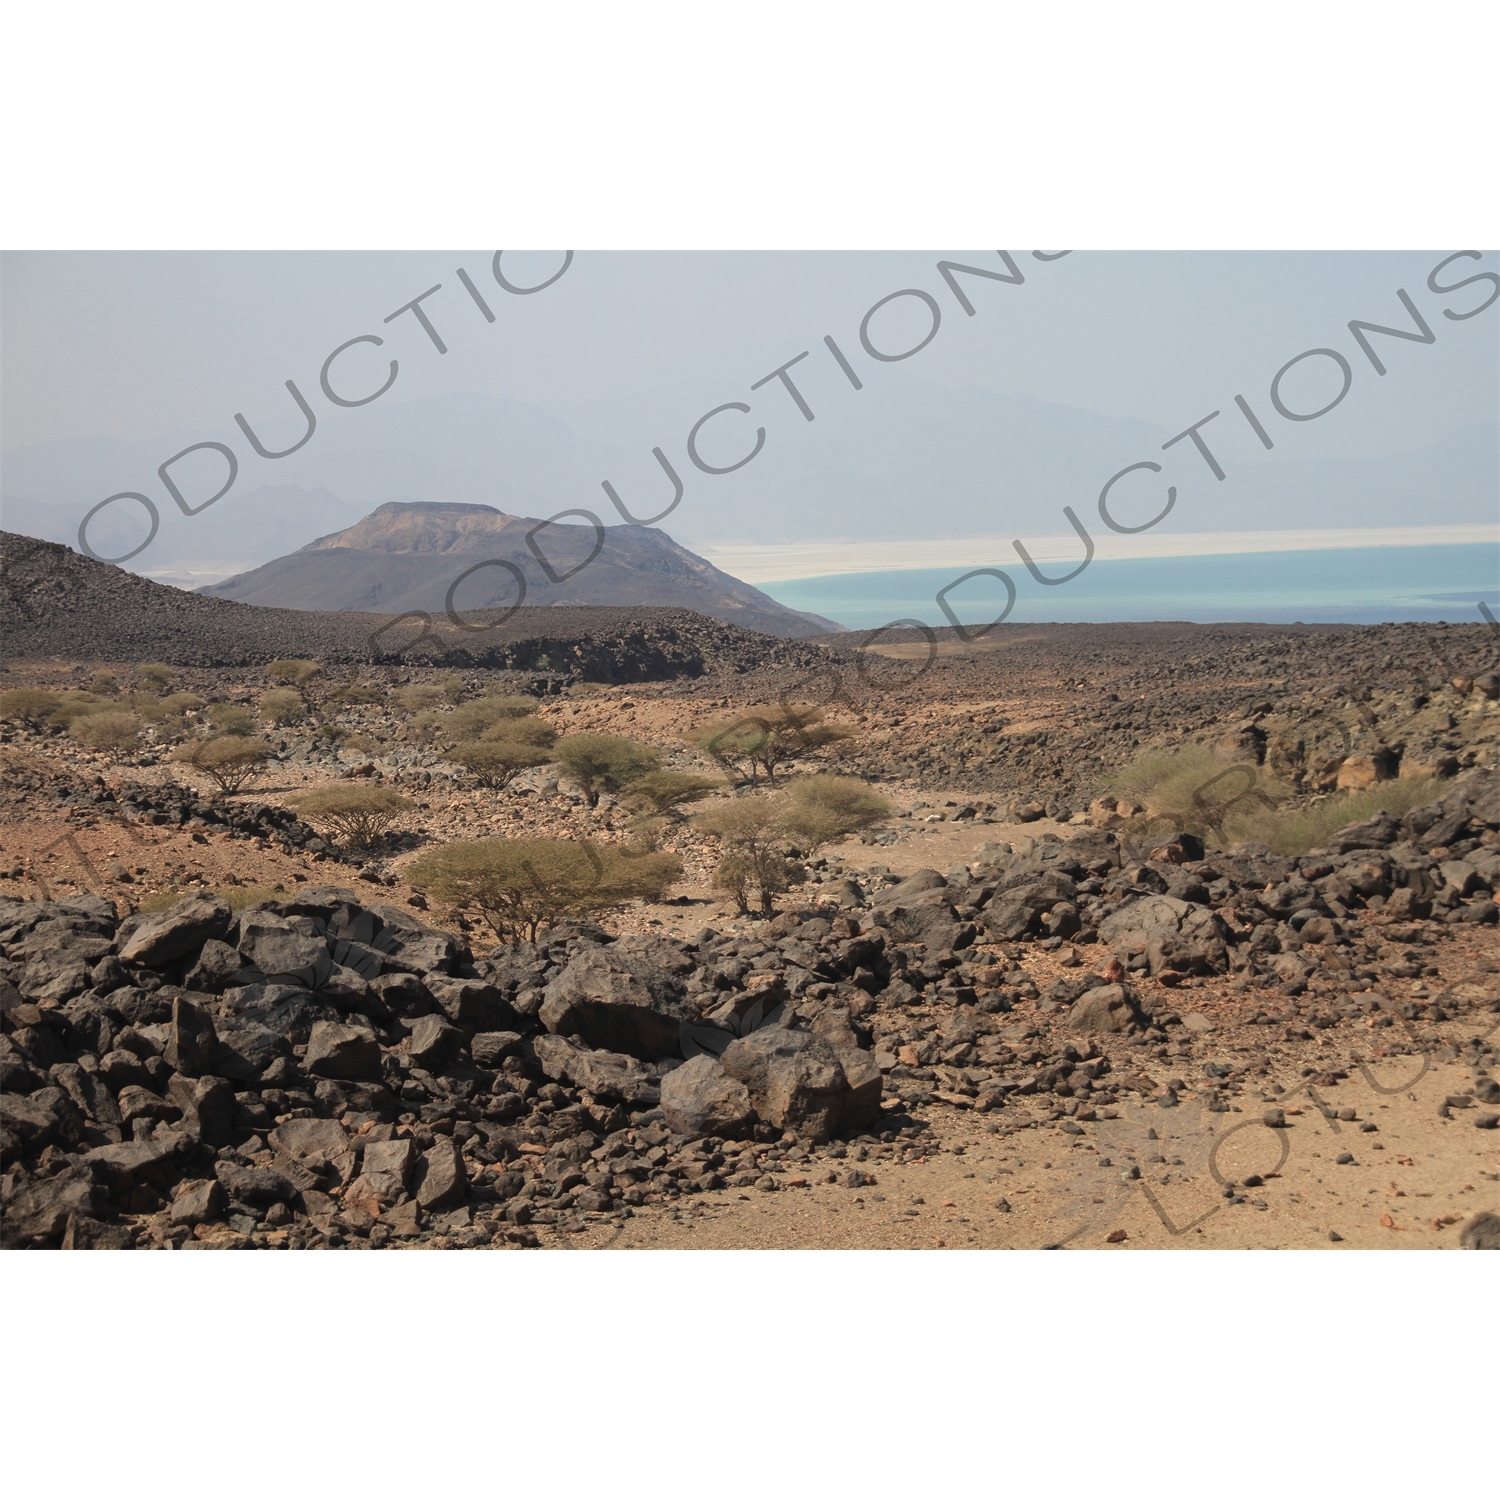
1052	710
63	605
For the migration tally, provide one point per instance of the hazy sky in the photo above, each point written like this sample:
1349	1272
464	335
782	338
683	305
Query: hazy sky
141	344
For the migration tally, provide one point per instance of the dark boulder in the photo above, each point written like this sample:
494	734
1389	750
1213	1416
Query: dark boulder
440	1181
611	1076
297	1138
276	948
408	946
490	1048
217	968
628	997
1373	833
915	884
472	1004
45	1118
198	1202
700	1099
801	1082
34	1212
434	1043
193	1043
335	1050
207	1105
259	1187
1105	1009
173	934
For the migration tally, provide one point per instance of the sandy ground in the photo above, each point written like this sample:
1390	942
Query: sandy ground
1410	1184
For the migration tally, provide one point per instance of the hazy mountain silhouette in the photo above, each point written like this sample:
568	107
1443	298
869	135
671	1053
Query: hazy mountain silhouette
910	459
408	555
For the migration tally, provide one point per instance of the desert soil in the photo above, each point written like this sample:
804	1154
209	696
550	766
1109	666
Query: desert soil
972	1182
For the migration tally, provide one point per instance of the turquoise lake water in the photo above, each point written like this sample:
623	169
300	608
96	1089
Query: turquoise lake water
1353	585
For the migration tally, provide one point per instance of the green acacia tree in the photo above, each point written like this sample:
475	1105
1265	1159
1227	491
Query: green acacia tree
292	670
493	763
662	792
470	720
282	706
536	732
359	815
519	886
820	809
115	732
752	834
765	739
32	706
230	718
758	831
603	762
229	760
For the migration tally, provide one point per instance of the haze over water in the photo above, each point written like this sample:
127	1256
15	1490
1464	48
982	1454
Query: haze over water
1354	585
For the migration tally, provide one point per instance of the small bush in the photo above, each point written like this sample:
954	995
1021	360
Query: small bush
661	791
230	718
1295	832
104	683
767	738
292	670
820	809
115	732
736	875
29	705
427	726
514	705
471	720
1191	790
174	705
163	900
229	760
168	713
494	763
648	831
156	675
752	830
418	695
282	706
359	815
521	885
358	692
76	706
603	762
537	732
239	897
235	897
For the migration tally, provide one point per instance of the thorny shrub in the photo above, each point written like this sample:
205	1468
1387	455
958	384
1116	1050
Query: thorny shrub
360	816
521	885
229	760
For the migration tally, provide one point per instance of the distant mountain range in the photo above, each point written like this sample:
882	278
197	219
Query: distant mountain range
413	555
910	459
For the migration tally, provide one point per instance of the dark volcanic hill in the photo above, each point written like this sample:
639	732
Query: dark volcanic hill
57	604
407	555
